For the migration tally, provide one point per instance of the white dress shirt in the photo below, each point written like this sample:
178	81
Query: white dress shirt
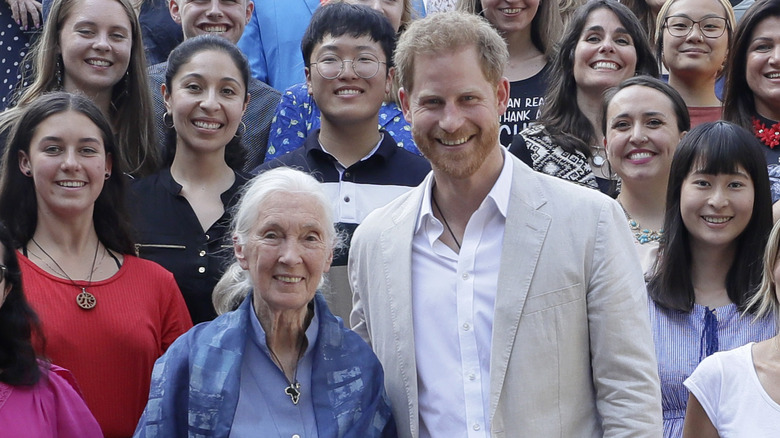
453	297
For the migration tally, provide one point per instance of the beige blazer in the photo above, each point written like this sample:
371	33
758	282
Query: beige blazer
572	353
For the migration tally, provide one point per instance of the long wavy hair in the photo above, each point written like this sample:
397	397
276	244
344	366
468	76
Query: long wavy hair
739	103
765	301
18	324
131	101
18	203
561	116
713	148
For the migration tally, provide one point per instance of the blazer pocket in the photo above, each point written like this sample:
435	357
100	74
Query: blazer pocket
554	298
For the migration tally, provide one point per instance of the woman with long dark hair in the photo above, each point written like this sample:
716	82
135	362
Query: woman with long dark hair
107	314
603	45
718	217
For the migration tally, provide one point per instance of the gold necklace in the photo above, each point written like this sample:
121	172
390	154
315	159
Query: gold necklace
85	300
642	235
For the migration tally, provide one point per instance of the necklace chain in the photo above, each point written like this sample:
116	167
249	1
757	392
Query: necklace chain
294	387
444	219
642	235
85	300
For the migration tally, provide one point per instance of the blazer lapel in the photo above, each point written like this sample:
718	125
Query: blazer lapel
396	247
526	228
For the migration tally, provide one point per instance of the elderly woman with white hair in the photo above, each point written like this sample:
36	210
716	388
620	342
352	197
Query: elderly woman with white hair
280	362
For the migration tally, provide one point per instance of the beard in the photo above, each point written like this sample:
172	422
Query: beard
461	163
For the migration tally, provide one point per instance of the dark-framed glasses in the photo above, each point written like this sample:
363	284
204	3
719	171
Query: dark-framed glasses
710	27
365	65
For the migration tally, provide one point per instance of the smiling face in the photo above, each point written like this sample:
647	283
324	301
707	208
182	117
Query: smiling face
206	101
762	67
287	251
695	54
392	9
95	42
510	16
642	134
348	98
605	54
716	209
68	163
225	18
454	113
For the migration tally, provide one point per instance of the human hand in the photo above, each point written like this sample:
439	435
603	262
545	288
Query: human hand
20	9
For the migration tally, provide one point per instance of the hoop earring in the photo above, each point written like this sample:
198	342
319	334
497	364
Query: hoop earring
165	118
108	175
240	132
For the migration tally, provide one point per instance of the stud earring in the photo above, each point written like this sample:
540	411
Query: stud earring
108	175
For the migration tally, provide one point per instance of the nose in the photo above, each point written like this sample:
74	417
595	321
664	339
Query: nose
348	69
101	43
638	134
70	159
214	11
718	199
210	102
696	33
452	119
290	253
607	45
376	5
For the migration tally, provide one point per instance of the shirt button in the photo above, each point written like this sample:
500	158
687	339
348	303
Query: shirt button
296	436
476	427
347	174
465	276
346	199
201	269
466	326
207	237
202	253
472	376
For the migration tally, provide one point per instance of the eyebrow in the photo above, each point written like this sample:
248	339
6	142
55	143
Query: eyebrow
94	24
81	140
335	48
200	76
646	114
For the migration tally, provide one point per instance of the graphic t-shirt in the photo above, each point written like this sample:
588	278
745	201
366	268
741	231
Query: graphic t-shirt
525	103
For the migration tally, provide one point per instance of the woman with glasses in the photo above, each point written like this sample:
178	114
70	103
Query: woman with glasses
298	115
36	399
752	97
692	41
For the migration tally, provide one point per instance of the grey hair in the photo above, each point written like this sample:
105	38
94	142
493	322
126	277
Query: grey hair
235	283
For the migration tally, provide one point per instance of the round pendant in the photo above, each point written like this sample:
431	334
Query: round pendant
598	160
86	300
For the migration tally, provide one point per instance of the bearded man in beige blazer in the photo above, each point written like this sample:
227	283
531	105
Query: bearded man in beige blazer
500	301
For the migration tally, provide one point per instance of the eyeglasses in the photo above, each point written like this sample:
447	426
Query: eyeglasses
710	27
365	65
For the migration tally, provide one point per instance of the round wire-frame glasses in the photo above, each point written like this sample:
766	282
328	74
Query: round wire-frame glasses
365	65
681	26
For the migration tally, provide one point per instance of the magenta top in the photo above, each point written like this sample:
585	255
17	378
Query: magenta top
53	407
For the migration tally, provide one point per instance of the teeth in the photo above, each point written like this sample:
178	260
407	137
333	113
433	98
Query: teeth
511	10
288	279
71	184
639	155
716	220
454	142
607	65
773	75
215	28
98	62
206	125
347	92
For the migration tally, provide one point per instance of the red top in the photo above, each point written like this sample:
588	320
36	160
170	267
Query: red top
702	114
111	348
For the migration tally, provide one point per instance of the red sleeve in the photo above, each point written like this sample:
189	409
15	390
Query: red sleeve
175	316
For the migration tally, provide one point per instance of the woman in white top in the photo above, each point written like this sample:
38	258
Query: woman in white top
737	393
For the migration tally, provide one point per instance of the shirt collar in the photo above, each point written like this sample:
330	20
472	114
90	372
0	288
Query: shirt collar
498	194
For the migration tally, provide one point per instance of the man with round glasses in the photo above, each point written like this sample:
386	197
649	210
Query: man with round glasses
347	51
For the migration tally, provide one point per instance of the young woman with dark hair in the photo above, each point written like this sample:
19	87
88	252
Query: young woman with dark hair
603	45
36	399
182	213
718	217
107	314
